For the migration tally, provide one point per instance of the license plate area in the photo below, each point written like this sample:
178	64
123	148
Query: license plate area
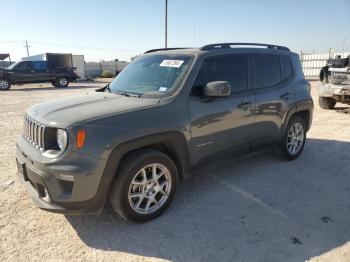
21	168
22	171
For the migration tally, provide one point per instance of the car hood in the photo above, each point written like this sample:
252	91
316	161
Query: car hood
73	109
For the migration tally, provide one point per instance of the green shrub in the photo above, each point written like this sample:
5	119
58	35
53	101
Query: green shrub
106	74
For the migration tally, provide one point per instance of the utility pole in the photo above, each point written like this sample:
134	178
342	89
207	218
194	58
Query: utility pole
166	23
27	46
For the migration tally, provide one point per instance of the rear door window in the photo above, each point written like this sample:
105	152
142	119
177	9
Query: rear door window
287	67
39	66
267	70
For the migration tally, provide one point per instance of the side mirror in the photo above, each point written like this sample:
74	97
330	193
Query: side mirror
217	89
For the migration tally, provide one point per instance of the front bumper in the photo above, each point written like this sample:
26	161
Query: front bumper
69	185
329	90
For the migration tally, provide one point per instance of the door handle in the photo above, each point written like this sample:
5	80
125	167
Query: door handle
286	96
245	104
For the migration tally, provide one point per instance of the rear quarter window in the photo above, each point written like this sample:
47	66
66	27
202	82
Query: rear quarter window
267	70
287	66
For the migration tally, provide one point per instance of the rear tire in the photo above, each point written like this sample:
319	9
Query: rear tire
145	185
5	85
326	102
62	81
54	83
293	141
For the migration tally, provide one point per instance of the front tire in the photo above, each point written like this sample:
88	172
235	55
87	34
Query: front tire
145	185
5	85
62	81
326	102
293	141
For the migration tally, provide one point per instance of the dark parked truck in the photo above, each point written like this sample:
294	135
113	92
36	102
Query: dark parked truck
166	113
54	68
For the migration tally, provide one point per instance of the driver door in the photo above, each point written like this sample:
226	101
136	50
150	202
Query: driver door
22	74
40	71
221	123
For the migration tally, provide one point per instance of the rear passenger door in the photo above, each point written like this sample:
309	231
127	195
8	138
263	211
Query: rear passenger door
221	123
40	71
274	96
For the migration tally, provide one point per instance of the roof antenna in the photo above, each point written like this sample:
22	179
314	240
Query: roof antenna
166	23
194	35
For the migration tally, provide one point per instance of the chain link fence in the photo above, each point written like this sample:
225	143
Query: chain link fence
96	69
313	62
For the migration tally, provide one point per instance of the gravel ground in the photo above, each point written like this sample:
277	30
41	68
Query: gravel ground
258	208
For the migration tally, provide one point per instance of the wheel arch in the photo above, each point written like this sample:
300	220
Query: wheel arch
6	78
304	110
304	114
174	144
62	75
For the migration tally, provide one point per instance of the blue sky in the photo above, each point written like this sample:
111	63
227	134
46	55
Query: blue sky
119	29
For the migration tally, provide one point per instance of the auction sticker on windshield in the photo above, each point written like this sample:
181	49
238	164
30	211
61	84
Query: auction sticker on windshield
172	63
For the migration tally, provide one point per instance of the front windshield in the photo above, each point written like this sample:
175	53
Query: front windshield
13	65
151	75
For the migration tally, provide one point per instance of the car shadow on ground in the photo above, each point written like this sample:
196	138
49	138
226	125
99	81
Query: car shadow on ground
257	208
342	109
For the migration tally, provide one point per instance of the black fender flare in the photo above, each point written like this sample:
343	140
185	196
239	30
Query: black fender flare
175	142
303	106
8	79
292	110
62	74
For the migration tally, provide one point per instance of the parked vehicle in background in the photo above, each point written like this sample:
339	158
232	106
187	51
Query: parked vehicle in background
167	112
56	69
3	63
335	86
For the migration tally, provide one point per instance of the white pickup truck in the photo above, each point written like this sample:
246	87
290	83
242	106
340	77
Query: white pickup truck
335	86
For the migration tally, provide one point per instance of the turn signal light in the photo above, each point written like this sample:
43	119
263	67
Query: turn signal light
81	135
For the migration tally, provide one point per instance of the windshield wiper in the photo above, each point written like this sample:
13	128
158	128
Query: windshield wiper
123	93
108	88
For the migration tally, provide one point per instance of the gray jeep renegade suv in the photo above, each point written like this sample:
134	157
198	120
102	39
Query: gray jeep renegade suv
167	112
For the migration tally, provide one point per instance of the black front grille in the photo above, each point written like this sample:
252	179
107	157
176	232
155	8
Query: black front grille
34	132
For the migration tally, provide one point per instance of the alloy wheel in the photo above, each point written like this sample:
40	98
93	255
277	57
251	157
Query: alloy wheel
295	138
149	188
4	84
62	82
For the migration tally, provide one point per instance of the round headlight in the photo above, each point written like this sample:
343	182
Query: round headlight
62	138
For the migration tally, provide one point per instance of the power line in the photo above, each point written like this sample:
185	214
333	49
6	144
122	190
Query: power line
16	41
84	47
76	46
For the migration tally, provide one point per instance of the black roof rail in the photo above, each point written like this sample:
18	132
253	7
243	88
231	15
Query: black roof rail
165	49
228	45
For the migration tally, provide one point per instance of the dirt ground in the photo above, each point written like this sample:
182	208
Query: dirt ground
259	208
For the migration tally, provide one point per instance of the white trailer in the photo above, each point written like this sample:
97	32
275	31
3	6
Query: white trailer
79	63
